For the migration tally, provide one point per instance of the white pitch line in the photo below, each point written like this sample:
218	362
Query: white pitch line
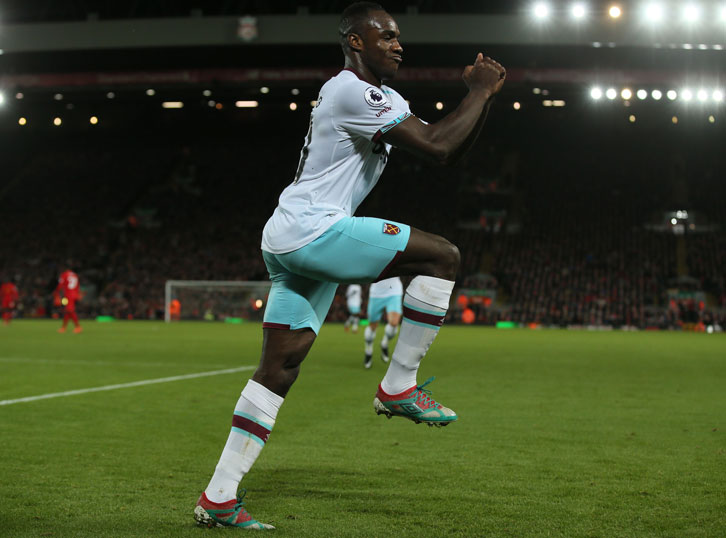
126	385
90	363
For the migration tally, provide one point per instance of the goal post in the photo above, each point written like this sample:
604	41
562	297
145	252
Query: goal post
215	300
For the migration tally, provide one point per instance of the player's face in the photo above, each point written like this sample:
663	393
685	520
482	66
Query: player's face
382	53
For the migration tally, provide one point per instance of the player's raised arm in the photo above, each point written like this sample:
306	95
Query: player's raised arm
447	140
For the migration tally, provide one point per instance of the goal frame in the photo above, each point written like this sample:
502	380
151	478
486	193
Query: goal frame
169	284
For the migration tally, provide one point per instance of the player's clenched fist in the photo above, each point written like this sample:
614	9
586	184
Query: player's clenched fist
485	74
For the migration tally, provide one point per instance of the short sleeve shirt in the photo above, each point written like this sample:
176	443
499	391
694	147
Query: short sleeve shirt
340	163
68	282
353	295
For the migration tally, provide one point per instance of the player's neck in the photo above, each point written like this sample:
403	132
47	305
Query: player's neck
362	72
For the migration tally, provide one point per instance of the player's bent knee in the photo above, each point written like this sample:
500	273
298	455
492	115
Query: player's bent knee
449	260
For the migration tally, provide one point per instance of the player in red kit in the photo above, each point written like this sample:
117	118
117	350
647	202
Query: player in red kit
8	298
68	287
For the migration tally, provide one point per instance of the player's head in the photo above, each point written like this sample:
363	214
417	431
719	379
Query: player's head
368	34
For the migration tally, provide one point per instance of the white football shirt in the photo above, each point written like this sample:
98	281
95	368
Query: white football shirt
386	288
353	295
340	162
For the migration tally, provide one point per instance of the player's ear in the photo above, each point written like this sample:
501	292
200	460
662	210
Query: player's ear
355	42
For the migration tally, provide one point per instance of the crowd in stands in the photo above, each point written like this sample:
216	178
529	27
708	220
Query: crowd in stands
569	249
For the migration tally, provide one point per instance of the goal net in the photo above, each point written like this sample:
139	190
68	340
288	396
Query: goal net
215	300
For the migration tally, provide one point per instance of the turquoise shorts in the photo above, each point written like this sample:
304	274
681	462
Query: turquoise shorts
376	306
353	250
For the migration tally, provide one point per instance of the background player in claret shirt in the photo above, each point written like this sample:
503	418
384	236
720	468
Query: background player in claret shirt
313	242
383	296
353	300
68	290
8	300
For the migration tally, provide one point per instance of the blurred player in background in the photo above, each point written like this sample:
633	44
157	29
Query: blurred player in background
8	300
353	298
67	293
175	310
383	296
313	242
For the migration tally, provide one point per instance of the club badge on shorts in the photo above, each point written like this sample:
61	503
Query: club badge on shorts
391	229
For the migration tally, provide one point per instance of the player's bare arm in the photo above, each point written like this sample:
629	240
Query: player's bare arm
447	140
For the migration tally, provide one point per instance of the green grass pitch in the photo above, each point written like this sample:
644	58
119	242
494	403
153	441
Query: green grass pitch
561	433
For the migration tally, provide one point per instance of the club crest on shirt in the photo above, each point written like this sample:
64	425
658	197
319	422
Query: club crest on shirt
375	97
391	229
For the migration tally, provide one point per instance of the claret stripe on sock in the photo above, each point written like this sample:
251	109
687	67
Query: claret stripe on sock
423	317
245	425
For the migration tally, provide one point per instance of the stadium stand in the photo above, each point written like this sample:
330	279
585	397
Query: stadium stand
567	250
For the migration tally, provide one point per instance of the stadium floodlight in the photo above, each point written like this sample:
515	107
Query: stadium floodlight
656	94
672	95
611	93
439	105
674	120
596	93
2	98
711	119
654	12
295	91
686	95
578	11
615	11
58	97
110	95
702	95
517	105
642	94
207	93
264	89
57	121
293	106
631	118
722	13
151	92
172	104
626	94
691	13
22	121
19	95
717	96
93	120
245	104
541	11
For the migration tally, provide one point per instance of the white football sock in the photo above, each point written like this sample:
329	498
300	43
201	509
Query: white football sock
253	419
389	333
370	335
424	309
